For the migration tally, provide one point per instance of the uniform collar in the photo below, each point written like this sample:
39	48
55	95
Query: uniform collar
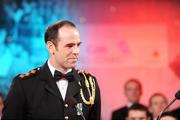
47	77
52	68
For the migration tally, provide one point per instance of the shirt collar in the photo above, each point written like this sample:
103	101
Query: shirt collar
52	68
129	104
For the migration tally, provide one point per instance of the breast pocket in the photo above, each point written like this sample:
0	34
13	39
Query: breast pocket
48	106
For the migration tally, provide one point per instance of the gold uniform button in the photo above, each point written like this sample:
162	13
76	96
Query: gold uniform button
66	105
66	117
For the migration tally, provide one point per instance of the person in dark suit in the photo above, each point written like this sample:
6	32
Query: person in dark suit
176	113
133	91
55	90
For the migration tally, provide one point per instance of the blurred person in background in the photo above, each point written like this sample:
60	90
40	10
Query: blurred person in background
137	112
133	92
157	103
168	116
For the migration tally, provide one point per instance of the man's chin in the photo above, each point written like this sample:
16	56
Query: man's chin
72	65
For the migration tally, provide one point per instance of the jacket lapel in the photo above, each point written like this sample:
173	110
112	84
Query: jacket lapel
50	84
73	86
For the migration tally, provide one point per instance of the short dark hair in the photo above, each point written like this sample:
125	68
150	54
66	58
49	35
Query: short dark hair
168	114
52	30
138	107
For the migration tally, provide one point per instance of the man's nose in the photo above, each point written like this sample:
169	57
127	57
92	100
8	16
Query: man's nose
76	50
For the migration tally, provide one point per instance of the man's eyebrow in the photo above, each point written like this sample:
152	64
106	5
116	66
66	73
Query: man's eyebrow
73	43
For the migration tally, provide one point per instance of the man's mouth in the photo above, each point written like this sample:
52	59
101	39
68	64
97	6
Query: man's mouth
73	59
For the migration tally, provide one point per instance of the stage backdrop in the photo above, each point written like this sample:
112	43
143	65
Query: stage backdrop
116	53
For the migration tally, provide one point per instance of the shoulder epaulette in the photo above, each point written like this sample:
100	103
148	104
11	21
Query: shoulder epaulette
90	85
30	73
83	72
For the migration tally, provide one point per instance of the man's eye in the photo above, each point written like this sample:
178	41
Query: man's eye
69	45
78	44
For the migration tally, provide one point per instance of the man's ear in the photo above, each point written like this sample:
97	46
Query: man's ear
51	47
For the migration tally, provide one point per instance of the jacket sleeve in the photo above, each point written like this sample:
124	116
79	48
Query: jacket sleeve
95	112
14	104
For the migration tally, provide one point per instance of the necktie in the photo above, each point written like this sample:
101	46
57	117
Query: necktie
58	75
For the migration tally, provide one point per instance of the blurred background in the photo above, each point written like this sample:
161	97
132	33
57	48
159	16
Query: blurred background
121	39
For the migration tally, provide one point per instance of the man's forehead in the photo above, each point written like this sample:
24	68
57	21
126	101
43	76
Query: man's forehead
132	84
69	35
68	29
137	113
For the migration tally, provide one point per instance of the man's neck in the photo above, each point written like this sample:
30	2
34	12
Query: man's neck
57	67
130	103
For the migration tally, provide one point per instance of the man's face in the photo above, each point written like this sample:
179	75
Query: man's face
133	92
136	115
158	103
67	50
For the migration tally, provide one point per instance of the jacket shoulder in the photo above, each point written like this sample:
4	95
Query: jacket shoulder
29	74
84	73
120	110
89	83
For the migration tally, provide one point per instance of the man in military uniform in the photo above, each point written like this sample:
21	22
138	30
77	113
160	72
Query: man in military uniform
56	90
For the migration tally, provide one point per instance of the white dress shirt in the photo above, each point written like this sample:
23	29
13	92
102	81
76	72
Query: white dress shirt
62	84
129	104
